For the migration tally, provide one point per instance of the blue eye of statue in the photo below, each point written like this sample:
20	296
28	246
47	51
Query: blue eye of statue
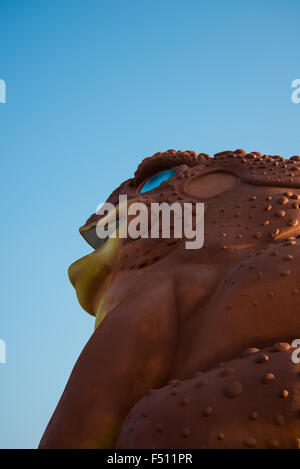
156	180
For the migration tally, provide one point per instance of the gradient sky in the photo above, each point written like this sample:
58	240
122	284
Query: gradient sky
92	88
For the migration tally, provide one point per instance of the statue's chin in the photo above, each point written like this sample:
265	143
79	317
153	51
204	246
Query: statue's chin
89	274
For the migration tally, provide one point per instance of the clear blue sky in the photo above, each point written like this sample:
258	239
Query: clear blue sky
92	87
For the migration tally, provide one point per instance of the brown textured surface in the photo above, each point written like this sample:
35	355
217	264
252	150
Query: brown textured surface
241	404
173	312
251	167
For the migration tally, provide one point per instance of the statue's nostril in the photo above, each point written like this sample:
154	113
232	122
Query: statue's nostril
92	239
98	234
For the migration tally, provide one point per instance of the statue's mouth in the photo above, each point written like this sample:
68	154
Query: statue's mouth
89	273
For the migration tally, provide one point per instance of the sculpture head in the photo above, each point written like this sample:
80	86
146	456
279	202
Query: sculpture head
251	201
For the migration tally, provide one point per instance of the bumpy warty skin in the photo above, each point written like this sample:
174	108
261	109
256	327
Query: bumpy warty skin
194	349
